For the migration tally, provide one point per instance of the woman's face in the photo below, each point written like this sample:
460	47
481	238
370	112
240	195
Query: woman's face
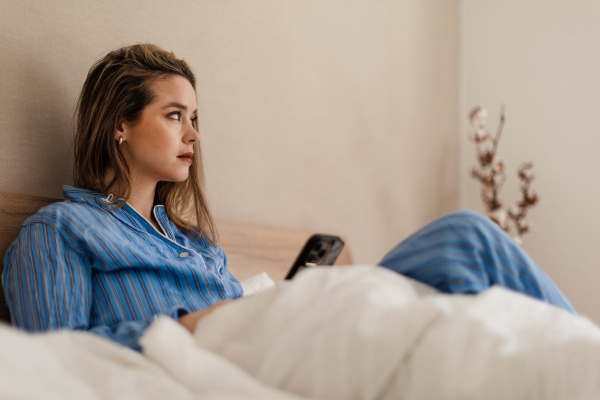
159	147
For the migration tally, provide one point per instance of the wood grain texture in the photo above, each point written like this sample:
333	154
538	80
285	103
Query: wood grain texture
250	248
14	210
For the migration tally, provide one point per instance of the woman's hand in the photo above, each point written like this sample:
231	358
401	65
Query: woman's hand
189	321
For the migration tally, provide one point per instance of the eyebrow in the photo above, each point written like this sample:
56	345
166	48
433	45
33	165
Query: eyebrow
177	105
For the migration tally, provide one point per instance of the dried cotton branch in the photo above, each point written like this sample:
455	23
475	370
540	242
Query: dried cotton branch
491	174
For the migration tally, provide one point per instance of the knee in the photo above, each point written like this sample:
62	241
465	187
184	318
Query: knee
468	219
467	215
459	232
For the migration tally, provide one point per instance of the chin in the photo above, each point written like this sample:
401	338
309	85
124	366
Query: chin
182	178
175	175
178	180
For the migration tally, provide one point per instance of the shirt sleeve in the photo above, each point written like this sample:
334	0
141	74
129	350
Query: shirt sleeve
48	286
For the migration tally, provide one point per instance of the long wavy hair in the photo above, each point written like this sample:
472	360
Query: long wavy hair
117	88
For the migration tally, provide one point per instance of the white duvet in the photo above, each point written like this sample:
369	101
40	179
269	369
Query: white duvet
340	333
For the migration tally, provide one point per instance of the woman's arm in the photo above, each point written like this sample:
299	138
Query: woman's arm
48	286
189	321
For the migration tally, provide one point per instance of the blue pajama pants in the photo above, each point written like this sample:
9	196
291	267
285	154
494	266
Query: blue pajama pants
465	252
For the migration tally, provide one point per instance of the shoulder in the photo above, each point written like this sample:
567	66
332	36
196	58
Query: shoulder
42	230
63	214
71	219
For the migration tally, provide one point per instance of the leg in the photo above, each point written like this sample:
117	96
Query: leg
465	252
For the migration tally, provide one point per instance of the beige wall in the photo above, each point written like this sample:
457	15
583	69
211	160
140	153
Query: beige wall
335	116
540	57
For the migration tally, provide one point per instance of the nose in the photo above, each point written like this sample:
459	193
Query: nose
191	134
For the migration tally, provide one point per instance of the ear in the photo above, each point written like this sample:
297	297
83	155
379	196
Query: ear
121	130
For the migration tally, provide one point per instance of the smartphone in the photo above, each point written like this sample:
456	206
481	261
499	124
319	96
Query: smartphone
318	250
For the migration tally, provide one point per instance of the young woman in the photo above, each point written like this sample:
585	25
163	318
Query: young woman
118	251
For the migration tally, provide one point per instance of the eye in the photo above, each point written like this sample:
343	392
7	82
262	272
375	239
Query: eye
176	115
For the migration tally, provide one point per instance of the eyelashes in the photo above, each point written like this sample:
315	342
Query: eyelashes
177	116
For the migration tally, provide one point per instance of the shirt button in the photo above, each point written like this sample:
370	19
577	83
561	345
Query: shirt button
184	254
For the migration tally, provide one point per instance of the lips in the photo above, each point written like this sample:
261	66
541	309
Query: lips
186	156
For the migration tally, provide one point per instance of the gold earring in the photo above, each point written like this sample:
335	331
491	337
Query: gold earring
121	140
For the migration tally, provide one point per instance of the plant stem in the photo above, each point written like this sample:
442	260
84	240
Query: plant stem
499	130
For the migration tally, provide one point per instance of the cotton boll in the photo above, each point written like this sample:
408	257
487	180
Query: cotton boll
499	165
478	117
500	217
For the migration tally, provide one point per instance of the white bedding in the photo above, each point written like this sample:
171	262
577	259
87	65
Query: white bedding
345	333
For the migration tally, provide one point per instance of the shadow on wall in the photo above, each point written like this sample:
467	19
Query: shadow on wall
447	166
38	152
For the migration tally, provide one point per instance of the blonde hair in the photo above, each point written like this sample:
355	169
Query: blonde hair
117	88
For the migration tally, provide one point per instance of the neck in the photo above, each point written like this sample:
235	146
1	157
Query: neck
142	199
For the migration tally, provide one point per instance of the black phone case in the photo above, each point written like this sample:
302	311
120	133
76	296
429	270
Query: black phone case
318	250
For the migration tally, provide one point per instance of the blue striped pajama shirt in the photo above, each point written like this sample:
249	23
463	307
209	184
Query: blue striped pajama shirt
78	264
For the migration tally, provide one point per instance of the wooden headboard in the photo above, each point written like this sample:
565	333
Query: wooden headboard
250	248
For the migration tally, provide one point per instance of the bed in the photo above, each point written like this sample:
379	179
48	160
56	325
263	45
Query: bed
360	332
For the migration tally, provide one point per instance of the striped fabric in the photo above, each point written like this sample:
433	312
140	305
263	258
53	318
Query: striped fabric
78	264
465	252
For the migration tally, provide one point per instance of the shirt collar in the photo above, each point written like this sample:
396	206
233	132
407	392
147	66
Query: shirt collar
79	195
126	214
